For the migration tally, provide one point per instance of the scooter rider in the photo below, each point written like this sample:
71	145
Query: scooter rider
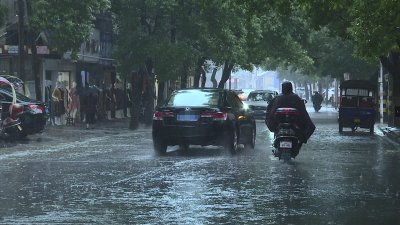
290	100
317	98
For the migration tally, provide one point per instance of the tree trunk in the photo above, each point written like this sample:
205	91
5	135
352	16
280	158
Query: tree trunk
184	76
213	80
35	67
203	81
35	60
161	98
196	82
21	50
149	109
307	93
136	96
327	91
199	71
225	74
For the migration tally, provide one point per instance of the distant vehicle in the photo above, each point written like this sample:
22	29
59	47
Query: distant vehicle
300	91
203	117
258	101
357	105
245	93
34	115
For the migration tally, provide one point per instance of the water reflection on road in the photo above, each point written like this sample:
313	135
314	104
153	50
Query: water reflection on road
336	179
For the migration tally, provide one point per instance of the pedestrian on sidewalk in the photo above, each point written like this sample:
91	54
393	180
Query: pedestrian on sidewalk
90	110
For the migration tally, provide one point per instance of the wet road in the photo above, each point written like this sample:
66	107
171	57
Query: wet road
353	178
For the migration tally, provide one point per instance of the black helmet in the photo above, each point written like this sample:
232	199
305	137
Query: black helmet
287	87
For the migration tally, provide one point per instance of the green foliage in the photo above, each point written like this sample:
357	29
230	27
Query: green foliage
370	25
3	13
69	21
375	28
163	31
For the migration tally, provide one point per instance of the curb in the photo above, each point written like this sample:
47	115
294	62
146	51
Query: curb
391	132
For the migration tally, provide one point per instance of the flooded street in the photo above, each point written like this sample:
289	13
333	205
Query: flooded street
349	178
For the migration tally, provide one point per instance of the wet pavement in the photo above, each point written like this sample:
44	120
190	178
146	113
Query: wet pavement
111	175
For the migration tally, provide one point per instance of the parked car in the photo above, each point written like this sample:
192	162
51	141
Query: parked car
258	101
34	115
203	117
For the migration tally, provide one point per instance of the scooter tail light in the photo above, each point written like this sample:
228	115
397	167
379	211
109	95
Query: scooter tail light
9	121
16	109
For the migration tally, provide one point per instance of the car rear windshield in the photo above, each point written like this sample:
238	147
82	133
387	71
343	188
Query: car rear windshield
194	98
19	95
254	96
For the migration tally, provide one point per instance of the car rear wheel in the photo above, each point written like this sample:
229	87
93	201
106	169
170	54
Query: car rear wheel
232	142
252	142
371	129
160	147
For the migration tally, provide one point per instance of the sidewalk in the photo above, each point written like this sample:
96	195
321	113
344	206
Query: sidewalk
70	133
392	133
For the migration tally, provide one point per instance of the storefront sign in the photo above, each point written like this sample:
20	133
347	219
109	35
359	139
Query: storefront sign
13	49
41	50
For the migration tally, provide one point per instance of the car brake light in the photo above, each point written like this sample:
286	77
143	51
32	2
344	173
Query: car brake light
207	114
159	115
215	116
220	116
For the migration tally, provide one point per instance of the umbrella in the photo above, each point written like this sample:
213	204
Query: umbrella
93	89
4	81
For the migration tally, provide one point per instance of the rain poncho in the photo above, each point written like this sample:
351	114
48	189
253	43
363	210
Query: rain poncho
290	100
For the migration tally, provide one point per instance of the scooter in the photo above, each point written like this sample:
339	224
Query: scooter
10	129
317	106
286	142
10	126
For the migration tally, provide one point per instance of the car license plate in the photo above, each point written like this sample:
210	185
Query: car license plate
258	112
357	120
187	117
285	144
19	127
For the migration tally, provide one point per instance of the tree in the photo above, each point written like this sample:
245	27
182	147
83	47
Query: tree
70	22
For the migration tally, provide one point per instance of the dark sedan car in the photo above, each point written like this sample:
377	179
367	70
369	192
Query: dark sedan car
203	117
258	102
34	115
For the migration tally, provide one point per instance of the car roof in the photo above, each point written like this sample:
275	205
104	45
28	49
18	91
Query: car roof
262	91
201	89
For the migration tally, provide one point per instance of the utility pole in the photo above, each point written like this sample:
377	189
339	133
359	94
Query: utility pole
21	50
381	94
